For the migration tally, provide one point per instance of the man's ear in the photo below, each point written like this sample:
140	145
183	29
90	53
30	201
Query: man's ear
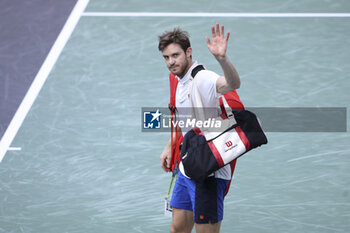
189	52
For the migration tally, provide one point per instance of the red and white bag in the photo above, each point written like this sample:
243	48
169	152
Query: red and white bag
205	150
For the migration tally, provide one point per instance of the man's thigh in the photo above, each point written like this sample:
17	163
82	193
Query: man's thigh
182	221
208	228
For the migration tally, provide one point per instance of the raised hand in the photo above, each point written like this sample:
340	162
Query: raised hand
218	45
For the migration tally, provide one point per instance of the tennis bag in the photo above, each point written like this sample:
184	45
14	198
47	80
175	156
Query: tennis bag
204	152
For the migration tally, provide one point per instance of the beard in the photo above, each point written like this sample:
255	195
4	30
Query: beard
179	69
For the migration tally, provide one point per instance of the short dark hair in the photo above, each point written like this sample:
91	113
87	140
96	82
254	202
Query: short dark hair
177	36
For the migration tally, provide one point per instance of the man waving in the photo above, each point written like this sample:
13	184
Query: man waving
197	203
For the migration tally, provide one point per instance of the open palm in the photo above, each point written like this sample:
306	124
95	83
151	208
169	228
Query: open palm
218	45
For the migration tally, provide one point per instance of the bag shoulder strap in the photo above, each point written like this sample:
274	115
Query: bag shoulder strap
196	70
194	91
173	85
175	144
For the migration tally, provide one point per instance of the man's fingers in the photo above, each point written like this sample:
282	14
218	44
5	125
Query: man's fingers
165	168
228	35
216	32
165	163
208	40
217	29
212	32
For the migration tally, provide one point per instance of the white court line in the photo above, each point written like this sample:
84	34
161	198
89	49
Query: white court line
41	77
14	149
318	155
228	15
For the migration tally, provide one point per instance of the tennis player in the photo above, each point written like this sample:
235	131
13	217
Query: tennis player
198	204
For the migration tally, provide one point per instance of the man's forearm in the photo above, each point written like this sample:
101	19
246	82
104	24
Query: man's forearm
231	75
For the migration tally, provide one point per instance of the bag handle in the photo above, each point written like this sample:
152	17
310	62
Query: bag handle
199	103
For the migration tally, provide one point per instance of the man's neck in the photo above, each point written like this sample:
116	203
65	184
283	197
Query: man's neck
187	68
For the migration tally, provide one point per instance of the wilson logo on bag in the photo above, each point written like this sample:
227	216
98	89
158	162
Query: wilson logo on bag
228	144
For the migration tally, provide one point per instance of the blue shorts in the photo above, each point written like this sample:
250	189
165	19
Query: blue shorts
205	199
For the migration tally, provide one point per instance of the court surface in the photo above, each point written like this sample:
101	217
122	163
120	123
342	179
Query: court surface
80	162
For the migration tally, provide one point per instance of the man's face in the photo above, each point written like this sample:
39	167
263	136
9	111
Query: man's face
176	59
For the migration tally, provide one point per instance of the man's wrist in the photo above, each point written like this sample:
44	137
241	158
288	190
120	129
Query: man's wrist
221	59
